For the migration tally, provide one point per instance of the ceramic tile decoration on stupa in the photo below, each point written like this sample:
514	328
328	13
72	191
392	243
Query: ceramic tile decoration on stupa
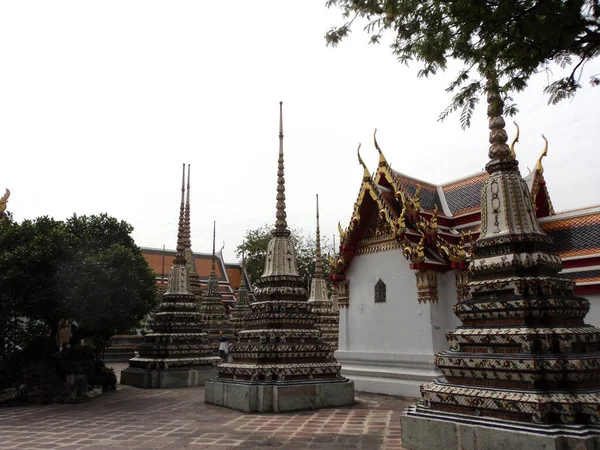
176	352
190	262
523	367
327	318
214	315
242	306
280	362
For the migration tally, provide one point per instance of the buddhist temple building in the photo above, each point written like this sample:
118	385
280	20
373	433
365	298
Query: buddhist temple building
327	317
280	363
175	352
403	262
523	367
230	276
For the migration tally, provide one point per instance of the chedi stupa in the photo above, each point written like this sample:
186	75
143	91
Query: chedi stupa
523	370
176	352
327	317
280	363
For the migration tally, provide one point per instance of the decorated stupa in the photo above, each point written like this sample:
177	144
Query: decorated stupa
523	368
242	305
327	320
175	352
280	363
212	310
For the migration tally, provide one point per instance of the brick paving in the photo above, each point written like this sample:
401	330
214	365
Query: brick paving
178	418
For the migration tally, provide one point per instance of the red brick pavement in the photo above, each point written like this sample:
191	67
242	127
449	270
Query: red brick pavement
178	418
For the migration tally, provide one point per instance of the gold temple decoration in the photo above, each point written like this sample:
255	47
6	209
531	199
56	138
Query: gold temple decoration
513	155
366	174
461	278
538	164
4	201
342	233
456	253
343	294
382	160
414	205
415	254
429	227
427	286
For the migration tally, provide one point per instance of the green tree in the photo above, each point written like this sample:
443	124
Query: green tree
87	269
255	249
514	39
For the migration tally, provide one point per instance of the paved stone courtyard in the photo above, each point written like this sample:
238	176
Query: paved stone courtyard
178	418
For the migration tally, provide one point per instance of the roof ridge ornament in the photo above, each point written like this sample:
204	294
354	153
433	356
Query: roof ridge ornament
366	173
538	165
382	160
513	154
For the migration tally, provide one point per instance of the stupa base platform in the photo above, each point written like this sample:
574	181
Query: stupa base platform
434	430
167	378
281	396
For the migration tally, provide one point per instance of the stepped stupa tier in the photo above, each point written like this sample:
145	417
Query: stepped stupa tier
212	310
190	263
280	363
523	354
327	320
176	352
242	305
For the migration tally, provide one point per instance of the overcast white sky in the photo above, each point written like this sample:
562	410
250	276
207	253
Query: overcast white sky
101	103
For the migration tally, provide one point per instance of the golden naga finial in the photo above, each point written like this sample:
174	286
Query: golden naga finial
382	160
513	155
4	200
538	164
366	174
417	199
342	233
401	222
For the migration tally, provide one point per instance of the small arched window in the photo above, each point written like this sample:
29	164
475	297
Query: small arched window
380	294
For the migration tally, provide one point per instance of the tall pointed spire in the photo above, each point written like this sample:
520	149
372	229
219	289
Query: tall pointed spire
281	228
188	231
318	257
179	255
213	268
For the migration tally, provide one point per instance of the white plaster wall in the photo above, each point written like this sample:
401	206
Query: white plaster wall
389	347
593	317
400	324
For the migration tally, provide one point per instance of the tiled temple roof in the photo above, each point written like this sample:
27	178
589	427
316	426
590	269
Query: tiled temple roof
464	196
576	234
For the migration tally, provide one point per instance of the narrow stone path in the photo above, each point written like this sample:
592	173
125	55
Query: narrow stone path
178	418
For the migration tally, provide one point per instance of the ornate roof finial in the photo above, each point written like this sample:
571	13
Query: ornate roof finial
179	255
213	269
382	160
366	174
318	257
281	228
513	155
538	164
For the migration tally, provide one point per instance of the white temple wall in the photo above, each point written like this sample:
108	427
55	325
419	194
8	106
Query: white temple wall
389	347
593	317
